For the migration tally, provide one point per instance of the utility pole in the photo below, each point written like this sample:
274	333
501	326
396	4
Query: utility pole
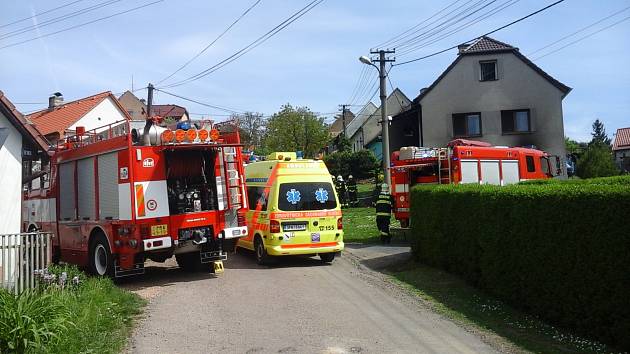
343	118
149	99
382	73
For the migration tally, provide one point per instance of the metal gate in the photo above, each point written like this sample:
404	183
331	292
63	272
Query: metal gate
20	256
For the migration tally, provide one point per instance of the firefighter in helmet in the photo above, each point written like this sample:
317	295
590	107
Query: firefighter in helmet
384	213
352	191
341	191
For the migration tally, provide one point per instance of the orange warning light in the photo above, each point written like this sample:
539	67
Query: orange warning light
191	134
214	134
180	134
168	136
203	134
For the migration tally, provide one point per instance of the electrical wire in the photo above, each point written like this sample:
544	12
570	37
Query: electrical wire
40	13
211	43
359	85
295	16
583	38
54	20
485	34
225	109
579	31
82	24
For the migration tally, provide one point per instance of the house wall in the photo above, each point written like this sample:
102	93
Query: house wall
622	159
10	179
133	106
104	113
395	103
518	87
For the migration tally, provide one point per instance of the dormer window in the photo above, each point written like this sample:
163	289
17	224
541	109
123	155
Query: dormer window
488	70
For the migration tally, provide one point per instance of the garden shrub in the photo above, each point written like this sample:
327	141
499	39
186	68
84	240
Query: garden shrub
560	250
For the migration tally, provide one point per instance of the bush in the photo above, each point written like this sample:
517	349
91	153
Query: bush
615	180
596	162
560	250
360	164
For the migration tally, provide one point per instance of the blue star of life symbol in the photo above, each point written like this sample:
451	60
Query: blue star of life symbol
321	195
293	196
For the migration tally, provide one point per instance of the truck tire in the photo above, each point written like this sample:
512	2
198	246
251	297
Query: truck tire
327	257
262	257
190	262
100	260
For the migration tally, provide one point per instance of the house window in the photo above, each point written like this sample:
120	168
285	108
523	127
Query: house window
488	70
466	124
516	121
530	163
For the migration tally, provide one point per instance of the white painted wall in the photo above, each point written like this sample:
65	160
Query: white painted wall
104	113
10	179
396	101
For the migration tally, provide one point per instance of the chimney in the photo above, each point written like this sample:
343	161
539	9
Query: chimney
462	47
55	100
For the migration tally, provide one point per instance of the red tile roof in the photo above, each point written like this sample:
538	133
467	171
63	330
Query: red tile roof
168	110
22	124
484	45
65	115
622	139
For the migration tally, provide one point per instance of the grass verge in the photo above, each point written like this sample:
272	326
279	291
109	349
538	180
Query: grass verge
359	225
93	316
463	303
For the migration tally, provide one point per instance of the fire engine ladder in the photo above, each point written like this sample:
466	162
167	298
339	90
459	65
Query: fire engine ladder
444	165
233	178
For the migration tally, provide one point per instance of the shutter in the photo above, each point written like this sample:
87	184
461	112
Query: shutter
459	125
66	191
507	121
108	185
86	190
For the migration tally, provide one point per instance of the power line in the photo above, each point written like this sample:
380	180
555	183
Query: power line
359	85
486	34
250	46
54	20
225	109
40	13
424	43
396	37
579	31
82	24
211	43
584	37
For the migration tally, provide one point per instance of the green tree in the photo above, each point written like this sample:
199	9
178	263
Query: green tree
296	129
596	162
573	147
340	143
251	128
361	164
599	134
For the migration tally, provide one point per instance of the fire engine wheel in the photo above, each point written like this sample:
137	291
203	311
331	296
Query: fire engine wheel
262	257
190	262
100	258
327	257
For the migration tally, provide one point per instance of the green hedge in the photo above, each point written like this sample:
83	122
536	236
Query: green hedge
615	180
557	250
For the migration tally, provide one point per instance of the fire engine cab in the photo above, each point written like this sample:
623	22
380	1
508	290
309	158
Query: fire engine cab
464	161
134	190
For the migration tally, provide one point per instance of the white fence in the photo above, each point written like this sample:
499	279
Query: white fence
20	256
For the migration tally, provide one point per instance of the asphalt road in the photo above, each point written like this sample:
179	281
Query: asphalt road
299	305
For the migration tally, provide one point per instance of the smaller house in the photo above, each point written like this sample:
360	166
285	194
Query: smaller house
135	107
621	149
170	112
62	118
354	131
341	123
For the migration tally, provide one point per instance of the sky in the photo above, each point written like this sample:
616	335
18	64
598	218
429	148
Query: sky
313	62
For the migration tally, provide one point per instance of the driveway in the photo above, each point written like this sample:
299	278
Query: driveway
299	305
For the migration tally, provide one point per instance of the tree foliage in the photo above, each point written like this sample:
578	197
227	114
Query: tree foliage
361	164
296	129
597	161
599	134
251	129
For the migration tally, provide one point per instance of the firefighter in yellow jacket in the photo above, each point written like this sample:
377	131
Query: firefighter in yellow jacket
384	213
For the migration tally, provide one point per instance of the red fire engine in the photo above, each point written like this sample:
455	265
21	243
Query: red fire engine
133	190
464	161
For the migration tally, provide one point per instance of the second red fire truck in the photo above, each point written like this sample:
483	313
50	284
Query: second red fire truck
133	190
464	161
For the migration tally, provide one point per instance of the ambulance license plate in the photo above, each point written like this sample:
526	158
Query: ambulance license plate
315	237
159	230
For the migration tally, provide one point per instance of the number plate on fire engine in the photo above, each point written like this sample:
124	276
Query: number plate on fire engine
159	230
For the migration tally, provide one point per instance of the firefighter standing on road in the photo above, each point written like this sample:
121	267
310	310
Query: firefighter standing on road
352	191
384	213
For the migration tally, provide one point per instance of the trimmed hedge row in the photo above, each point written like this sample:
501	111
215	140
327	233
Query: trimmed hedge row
558	250
615	180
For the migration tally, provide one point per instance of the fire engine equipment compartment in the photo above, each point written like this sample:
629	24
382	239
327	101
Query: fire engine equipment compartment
190	178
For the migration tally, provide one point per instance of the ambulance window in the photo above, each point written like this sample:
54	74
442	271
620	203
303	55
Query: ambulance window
306	196
254	195
530	163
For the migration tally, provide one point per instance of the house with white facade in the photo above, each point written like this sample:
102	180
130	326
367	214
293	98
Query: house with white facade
491	92
353	129
62	118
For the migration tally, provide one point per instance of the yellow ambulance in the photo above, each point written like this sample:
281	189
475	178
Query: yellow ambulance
294	209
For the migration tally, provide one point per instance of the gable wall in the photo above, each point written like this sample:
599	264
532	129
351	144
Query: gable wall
104	113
